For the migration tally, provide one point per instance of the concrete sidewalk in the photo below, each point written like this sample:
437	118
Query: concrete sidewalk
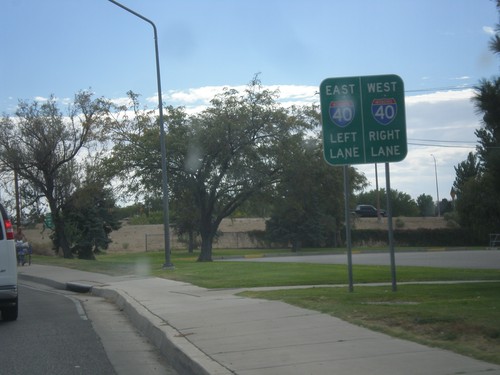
215	332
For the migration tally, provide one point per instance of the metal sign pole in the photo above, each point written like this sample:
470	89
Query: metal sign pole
348	228
390	228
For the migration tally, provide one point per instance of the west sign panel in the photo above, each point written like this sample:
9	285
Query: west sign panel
363	119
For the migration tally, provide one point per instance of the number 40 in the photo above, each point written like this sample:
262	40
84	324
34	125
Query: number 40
385	112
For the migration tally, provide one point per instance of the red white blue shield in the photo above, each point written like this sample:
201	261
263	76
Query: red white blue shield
342	112
384	110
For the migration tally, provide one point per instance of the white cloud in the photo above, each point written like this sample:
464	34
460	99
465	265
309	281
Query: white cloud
440	96
64	101
121	101
489	30
197	99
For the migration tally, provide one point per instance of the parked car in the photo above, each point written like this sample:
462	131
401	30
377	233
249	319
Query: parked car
8	269
367	210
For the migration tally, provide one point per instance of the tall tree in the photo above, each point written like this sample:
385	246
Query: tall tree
478	178
234	149
309	199
402	204
135	159
41	145
90	217
466	170
425	205
487	103
217	159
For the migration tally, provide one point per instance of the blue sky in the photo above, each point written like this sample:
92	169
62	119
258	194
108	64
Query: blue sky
439	48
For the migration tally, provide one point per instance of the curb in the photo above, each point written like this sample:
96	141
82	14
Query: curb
181	354
43	280
78	287
184	356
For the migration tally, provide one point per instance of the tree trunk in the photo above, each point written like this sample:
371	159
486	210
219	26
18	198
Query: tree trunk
208	231
60	241
190	241
296	245
206	248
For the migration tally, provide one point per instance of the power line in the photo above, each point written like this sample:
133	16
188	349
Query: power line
437	144
438	140
441	145
449	88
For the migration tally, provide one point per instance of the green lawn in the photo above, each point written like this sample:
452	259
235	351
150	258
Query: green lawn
461	317
255	274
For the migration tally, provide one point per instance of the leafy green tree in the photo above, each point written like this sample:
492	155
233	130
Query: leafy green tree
486	101
478	208
90	217
425	205
465	171
185	210
259	205
217	159
135	160
128	211
41	145
185	214
309	201
232	151
402	203
477	182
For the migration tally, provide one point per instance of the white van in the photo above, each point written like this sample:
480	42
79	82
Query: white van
8	269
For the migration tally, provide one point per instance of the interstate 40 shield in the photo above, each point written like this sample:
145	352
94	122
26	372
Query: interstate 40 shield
342	112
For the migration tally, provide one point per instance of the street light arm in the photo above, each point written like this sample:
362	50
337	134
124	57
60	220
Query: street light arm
156	47
156	50
135	14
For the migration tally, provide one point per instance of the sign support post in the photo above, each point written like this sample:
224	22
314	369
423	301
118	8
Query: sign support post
390	228
348	228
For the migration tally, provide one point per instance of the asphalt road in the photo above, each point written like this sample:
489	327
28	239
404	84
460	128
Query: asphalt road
50	336
482	259
59	332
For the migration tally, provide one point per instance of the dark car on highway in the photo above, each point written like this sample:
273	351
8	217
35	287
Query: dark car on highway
367	210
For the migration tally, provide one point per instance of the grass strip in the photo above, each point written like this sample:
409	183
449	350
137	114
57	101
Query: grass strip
258	274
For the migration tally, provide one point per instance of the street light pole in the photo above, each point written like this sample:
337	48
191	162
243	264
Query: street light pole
437	187
166	227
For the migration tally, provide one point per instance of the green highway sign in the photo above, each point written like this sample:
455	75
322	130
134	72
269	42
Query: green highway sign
363	119
48	222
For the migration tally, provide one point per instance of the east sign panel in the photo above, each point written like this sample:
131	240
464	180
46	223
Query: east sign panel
363	119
